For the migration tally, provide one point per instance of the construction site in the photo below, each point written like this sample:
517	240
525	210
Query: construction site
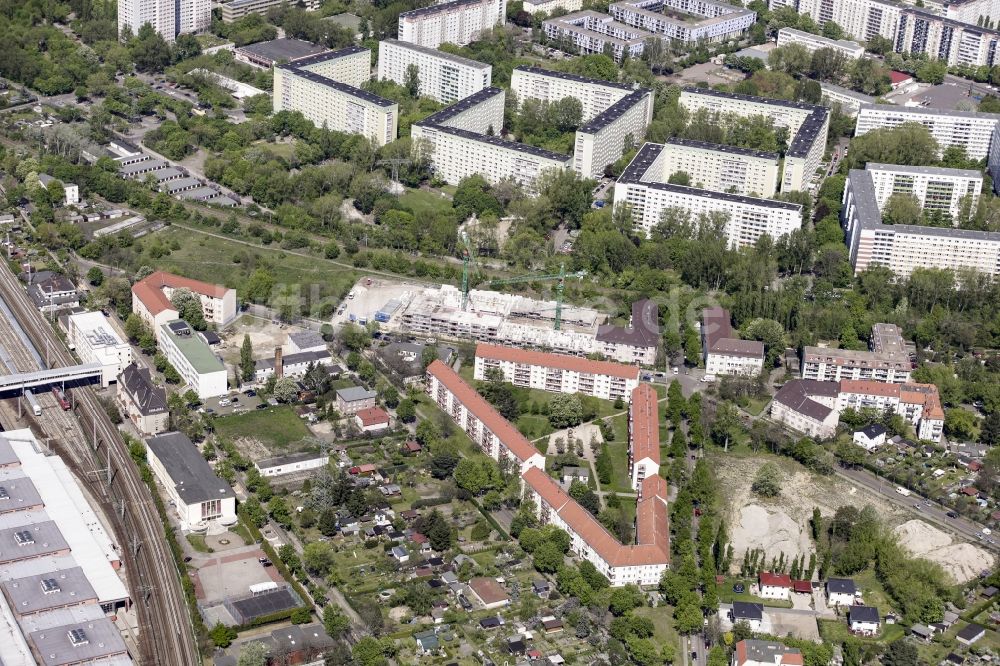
487	315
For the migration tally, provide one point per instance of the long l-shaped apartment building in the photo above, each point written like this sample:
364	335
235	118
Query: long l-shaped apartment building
641	563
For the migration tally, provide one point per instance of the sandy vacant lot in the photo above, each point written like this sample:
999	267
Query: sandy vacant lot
781	524
962	560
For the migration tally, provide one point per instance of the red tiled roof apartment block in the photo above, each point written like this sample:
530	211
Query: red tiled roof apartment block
643	435
807	406
724	353
641	563
151	299
495	436
887	360
919	404
557	373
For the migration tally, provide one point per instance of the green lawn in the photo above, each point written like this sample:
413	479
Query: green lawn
727	596
423	202
663	624
619	471
276	427
197	542
836	631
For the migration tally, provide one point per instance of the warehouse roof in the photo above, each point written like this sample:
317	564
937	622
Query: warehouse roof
277	50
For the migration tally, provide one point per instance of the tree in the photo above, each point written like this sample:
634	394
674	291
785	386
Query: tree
932	71
286	390
189	308
150	52
301	615
990	431
221	635
679	178
960	423
771	333
902	208
317	557
548	557
253	653
767	482
370	651
565	411
247	366
95	276
411	81
624	599
477	475
900	653
335	621
406	411
500	394
585	497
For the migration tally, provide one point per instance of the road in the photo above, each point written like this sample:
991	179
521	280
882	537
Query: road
981	89
166	635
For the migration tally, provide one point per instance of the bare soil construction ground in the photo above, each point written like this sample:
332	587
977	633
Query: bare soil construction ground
963	561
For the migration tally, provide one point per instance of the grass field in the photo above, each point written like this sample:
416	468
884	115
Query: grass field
423	202
276	427
663	624
836	631
215	260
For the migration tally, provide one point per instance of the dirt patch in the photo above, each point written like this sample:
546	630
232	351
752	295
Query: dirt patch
582	432
252	448
962	561
782	524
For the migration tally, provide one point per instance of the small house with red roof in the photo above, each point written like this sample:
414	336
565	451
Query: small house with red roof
411	447
802	587
774	586
372	419
899	79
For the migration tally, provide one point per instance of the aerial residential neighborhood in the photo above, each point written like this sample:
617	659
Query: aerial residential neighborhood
485	332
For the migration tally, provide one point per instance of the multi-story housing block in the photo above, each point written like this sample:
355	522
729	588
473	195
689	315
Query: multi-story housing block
443	76
807	126
557	373
723	168
812	42
918	404
456	22
308	85
971	130
935	188
95	341
550	86
643	435
904	248
887	359
193	359
151	299
724	353
644	189
592	32
685	21
604	139
168	18
635	343
237	9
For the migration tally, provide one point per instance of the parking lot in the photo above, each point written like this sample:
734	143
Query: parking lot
234	403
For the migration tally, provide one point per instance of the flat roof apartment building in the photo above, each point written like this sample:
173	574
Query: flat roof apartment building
903	248
685	21
643	187
850	101
811	42
193	359
592	32
443	77
457	22
724	353
887	359
151	300
168	18
324	88
723	168
237	9
461	142
557	373
602	141
808	125
547	85
969	129
935	188
95	341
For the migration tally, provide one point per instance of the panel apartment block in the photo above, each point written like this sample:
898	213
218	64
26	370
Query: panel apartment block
603	140
549	6
237	9
903	248
443	76
685	21
723	168
936	189
592	32
306	86
547	85
812	42
644	188
557	373
886	360
460	142
969	129
807	125
457	22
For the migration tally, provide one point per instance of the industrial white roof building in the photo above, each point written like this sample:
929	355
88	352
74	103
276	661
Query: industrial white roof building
95	341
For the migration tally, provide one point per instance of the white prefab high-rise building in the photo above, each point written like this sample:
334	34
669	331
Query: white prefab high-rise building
903	248
592	32
308	85
460	141
167	17
812	42
936	189
456	22
969	129
723	168
443	76
604	139
807	125
643	187
685	21
549	86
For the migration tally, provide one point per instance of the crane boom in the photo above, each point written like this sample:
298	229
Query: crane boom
561	276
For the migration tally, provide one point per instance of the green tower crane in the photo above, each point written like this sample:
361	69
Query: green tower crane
561	276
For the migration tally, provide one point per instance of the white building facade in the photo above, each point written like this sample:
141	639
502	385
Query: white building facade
550	86
718	21
169	18
603	140
195	492
193	359
935	188
811	42
968	129
443	76
723	168
456	22
93	338
592	32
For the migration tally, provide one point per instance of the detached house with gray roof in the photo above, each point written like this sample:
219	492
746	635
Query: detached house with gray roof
143	402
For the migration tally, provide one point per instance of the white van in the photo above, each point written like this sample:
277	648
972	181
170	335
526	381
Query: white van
902	491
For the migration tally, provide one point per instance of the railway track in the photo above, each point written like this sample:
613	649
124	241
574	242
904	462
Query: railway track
166	637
